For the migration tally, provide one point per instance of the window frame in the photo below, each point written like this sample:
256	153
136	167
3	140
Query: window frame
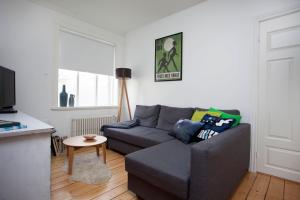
110	83
55	96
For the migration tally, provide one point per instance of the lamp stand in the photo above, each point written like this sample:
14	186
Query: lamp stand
123	89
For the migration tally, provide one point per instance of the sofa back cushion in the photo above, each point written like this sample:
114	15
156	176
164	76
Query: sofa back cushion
168	116
147	115
232	111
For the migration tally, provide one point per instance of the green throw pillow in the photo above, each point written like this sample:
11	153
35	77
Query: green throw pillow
228	116
198	115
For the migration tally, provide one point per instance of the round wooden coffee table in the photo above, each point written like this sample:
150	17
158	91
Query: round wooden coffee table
79	142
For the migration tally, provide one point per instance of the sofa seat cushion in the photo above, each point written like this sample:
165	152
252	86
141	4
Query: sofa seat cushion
166	166
140	136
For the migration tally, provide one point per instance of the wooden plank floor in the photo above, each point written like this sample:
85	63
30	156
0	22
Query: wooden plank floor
254	186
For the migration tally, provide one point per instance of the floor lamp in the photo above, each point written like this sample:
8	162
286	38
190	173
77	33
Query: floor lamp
122	74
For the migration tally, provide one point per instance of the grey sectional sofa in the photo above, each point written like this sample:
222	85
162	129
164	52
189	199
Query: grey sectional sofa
160	167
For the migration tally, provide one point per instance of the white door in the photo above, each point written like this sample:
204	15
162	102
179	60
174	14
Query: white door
279	97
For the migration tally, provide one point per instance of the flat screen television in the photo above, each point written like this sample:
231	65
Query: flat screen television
7	90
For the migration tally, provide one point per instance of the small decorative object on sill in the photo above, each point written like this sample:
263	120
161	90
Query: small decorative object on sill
123	74
63	98
71	100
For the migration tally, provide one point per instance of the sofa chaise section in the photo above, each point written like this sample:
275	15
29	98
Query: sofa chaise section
210	169
165	166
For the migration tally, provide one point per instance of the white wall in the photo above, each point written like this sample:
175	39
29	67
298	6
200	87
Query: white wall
218	55
29	45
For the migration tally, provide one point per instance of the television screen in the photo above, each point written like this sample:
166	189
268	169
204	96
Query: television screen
7	88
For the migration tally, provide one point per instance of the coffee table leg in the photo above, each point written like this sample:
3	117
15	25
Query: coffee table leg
104	152
70	151
97	149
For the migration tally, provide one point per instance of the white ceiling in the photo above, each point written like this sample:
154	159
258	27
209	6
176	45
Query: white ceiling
119	16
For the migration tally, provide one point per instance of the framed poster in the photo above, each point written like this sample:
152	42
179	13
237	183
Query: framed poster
168	58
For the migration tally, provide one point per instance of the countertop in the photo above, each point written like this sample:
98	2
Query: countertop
34	126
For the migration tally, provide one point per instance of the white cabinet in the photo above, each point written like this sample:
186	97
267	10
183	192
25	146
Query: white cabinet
25	157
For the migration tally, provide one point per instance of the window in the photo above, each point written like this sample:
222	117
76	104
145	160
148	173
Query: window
86	68
90	89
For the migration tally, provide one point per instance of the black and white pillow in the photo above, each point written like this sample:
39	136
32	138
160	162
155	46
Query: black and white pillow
213	126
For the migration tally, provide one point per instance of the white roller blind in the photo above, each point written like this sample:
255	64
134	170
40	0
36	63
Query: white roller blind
80	53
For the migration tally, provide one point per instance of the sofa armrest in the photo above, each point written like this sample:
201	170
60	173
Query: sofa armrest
219	163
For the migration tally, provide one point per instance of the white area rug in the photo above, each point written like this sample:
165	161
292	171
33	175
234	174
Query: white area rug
89	168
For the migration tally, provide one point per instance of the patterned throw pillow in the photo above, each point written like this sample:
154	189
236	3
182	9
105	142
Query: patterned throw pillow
185	129
228	116
213	126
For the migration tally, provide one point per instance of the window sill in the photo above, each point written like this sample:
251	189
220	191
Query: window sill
82	108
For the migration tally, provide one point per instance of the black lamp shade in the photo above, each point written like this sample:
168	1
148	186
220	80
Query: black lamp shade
123	73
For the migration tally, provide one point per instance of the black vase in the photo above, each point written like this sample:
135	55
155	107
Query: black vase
63	98
71	100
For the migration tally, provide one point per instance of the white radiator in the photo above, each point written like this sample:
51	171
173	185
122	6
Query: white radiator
85	126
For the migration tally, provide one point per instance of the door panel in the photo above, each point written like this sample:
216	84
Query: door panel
285	38
282	158
279	97
278	79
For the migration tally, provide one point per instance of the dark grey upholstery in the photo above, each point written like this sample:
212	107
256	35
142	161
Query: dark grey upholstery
219	163
139	135
148	191
121	146
147	115
168	116
163	168
166	166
